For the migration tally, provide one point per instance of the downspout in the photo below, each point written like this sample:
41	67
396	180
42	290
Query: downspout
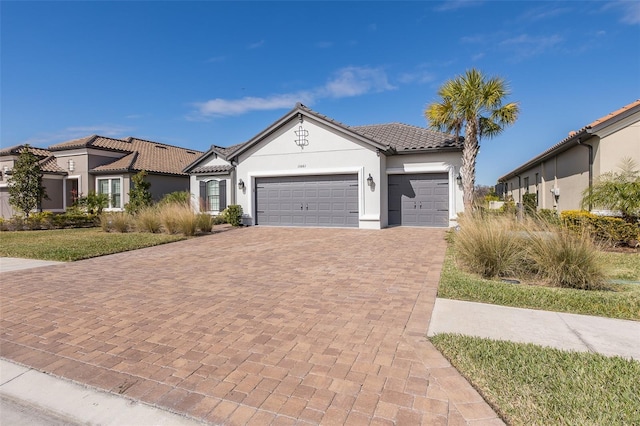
520	206
580	143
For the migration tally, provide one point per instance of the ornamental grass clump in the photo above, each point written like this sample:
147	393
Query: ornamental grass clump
565	259
204	222
148	220
490	246
178	218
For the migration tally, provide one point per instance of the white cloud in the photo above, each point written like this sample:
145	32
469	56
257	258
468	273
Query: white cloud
524	45
324	44
355	81
449	5
256	44
347	82
215	59
70	133
224	107
419	76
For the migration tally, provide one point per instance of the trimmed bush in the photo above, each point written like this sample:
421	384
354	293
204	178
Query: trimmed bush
612	231
233	214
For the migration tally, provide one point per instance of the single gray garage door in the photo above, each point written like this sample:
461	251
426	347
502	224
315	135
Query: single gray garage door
330	200
419	200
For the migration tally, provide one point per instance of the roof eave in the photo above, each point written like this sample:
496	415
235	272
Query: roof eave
558	148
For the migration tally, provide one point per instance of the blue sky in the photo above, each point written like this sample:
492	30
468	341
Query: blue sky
194	74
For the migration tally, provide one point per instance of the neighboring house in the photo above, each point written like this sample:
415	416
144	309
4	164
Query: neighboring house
560	174
104	165
306	169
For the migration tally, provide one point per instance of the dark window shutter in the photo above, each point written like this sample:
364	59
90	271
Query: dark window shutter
203	196
223	194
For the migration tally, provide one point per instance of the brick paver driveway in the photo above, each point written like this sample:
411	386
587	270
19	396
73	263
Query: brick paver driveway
251	326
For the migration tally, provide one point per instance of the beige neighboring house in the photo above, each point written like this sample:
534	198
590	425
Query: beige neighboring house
100	164
560	174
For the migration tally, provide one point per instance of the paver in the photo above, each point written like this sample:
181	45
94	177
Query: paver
255	326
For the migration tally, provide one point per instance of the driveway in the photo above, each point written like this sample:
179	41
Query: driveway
252	326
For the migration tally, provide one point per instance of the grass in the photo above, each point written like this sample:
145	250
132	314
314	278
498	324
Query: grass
621	301
531	385
75	244
623	266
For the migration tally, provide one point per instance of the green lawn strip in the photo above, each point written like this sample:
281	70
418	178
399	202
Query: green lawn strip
75	244
622	301
532	385
623	266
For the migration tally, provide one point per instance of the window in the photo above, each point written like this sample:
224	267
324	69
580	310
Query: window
526	185
111	187
214	195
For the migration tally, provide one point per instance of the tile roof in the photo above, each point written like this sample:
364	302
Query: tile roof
406	138
50	165
212	169
17	149
153	157
613	114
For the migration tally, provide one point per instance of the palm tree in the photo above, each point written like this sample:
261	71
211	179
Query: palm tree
618	191
474	101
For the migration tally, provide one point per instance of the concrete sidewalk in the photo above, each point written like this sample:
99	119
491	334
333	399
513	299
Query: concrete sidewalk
28	396
583	333
14	263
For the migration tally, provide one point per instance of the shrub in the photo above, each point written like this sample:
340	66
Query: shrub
148	220
609	230
178	197
529	203
219	219
489	246
565	259
548	216
140	194
93	203
233	214
40	220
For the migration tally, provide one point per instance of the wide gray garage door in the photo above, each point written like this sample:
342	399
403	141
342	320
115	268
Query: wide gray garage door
330	200
419	200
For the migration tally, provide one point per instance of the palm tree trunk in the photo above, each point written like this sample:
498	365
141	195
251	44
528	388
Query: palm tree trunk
468	169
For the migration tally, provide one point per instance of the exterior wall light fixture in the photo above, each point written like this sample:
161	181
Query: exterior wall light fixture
241	185
71	165
370	180
459	179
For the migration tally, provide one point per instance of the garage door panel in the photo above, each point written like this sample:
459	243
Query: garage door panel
419	199
330	200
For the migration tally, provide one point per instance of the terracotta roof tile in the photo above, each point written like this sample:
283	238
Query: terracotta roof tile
212	169
50	165
613	114
153	157
17	149
406	138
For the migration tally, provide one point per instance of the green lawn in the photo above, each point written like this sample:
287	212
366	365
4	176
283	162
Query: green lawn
532	385
621	301
75	244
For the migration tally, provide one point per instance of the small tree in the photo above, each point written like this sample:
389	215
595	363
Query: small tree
25	184
618	191
139	195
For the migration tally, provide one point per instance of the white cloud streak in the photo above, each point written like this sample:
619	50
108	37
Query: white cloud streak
70	133
347	82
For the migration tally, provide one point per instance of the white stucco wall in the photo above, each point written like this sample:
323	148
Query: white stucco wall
327	152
